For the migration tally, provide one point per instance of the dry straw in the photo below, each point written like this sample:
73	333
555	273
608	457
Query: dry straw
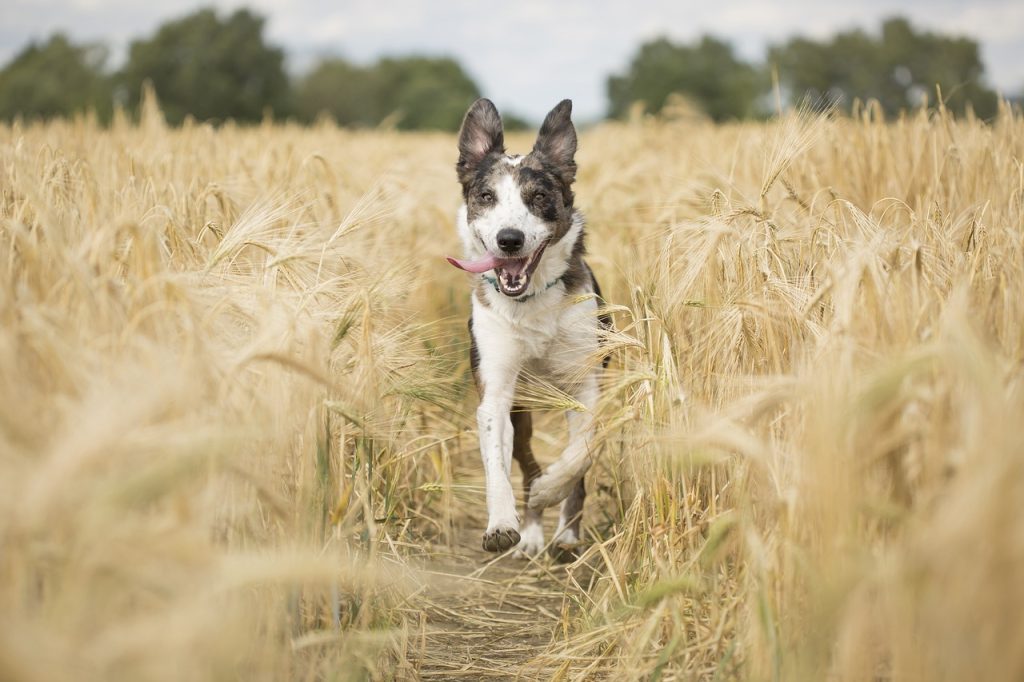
235	435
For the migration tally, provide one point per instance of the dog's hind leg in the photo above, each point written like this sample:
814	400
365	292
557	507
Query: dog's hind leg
532	533
567	536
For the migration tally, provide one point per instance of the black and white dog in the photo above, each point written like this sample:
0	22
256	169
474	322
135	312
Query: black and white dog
534	310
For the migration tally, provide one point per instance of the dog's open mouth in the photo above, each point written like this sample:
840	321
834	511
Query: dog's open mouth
513	274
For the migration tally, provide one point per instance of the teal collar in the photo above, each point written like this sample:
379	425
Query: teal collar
522	299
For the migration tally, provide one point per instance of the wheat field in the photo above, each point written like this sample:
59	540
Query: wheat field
237	436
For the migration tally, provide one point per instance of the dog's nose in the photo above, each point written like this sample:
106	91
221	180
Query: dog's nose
510	239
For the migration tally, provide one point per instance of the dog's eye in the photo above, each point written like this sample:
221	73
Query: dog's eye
539	197
485	197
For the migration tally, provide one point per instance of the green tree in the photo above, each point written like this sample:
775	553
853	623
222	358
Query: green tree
209	67
897	68
708	73
426	92
55	79
342	90
418	92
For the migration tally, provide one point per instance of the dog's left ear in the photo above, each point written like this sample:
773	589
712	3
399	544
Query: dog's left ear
481	134
557	140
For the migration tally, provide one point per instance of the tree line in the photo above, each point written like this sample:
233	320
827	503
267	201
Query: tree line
898	67
216	68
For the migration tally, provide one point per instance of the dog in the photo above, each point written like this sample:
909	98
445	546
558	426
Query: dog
534	310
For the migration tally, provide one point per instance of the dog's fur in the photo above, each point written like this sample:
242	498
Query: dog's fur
549	329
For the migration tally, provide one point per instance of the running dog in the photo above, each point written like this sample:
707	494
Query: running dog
535	311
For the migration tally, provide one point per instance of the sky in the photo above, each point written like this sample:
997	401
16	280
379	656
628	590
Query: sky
527	55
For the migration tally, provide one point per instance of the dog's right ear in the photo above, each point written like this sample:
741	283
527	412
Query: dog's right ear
481	134
556	140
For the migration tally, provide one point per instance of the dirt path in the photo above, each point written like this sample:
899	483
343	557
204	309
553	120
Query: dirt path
487	617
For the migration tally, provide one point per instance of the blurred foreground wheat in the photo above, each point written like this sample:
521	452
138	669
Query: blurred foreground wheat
233	401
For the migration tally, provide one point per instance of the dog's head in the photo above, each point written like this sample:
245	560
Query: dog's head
516	206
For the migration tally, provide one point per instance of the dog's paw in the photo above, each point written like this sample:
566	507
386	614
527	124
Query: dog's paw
565	548
547	491
500	538
564	554
532	541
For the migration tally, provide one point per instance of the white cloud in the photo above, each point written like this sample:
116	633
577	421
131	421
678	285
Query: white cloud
997	22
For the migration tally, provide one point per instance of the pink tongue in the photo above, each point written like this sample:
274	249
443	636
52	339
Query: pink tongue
488	262
513	266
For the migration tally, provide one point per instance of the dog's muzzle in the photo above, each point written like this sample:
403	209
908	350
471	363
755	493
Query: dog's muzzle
513	274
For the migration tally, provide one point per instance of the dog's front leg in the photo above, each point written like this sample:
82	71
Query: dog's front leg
495	429
561	477
497	372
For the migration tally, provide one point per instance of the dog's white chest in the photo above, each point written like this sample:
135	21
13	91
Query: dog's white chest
552	335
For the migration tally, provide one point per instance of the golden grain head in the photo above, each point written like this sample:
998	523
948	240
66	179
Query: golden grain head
237	423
